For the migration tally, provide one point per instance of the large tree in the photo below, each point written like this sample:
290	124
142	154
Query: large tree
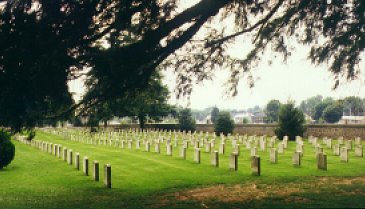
308	106
333	113
353	105
319	108
45	43
272	111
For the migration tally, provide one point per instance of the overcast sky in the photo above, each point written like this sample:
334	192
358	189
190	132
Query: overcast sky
297	80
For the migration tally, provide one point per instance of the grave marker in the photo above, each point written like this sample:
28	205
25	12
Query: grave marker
197	155
107	176
255	166
96	171
273	155
359	152
77	161
322	161
344	155
297	159
85	166
169	149
214	158
183	153
233	161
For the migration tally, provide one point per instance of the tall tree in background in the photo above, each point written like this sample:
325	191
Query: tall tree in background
291	122
272	111
353	106
46	43
186	121
333	112
319	108
214	114
224	124
308	106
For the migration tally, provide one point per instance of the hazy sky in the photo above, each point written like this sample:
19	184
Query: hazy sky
298	79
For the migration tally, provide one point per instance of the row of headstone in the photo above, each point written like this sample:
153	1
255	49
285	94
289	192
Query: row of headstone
67	155
252	142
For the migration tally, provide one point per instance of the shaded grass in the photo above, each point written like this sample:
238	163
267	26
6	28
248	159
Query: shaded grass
139	179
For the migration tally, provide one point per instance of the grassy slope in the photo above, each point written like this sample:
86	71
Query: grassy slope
139	179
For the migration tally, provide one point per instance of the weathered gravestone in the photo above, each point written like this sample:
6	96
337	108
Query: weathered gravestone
183	153
359	151
59	151
85	166
55	149
70	153
285	141
169	149
64	154
157	147
96	171
77	161
214	158
297	159
255	166
107	176
273	155
233	161
148	146
344	155
321	161
197	155
207	147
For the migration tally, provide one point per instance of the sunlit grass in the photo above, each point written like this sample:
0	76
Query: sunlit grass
39	180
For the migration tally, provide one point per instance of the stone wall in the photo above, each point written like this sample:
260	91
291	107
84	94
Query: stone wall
348	131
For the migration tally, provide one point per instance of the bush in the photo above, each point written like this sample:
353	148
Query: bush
224	124
7	149
186	121
291	122
245	120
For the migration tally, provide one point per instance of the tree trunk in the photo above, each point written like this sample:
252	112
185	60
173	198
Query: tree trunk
105	123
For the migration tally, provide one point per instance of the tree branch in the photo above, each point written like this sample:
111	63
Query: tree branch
260	22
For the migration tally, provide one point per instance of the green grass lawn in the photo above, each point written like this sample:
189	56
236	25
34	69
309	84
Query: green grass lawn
149	180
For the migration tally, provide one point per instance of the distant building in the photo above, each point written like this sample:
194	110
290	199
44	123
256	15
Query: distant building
239	116
258	117
352	120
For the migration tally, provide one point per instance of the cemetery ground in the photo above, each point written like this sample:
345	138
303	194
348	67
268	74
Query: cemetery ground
141	179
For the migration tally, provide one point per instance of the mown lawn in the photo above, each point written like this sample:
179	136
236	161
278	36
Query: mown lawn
149	180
